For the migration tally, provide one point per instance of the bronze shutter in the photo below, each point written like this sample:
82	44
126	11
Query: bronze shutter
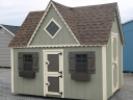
91	62
28	74
72	63
85	74
20	64
80	76
35	61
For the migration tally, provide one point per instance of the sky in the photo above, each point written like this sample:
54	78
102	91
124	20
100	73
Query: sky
13	12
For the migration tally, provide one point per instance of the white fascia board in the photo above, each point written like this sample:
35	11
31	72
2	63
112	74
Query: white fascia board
39	24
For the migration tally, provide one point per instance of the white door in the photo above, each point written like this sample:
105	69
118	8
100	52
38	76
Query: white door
115	66
53	73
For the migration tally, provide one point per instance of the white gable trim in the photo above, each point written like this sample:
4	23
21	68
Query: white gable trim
62	46
45	13
7	30
39	24
59	46
52	19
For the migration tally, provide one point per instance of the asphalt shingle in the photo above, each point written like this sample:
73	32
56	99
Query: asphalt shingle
90	24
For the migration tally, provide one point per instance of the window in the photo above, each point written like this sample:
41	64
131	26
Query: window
28	62
52	28
81	62
81	65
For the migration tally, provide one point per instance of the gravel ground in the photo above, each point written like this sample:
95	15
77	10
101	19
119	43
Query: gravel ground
126	93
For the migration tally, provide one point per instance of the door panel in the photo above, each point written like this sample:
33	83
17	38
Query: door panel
53	84
53	62
53	79
115	64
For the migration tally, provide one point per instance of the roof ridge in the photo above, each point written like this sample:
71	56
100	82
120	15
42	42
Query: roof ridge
103	4
60	4
111	3
37	11
10	25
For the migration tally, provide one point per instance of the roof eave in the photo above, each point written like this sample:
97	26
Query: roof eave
11	33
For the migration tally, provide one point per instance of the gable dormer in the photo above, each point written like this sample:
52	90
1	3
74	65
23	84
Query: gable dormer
53	31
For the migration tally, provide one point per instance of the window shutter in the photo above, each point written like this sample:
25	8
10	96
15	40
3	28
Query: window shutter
35	62
28	74
72	63
78	76
91	62
20	63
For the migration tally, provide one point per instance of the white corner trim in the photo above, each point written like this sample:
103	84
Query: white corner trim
12	70
39	24
52	20
104	73
65	23
7	30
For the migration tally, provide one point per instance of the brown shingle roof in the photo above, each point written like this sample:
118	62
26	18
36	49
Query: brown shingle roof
26	30
90	24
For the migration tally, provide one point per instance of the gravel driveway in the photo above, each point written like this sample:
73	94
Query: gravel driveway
126	93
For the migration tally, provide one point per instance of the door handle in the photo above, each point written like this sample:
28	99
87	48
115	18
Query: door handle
47	83
47	62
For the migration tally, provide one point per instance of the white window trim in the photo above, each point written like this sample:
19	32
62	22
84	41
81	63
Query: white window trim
52	20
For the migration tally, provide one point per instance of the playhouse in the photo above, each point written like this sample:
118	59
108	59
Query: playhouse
69	52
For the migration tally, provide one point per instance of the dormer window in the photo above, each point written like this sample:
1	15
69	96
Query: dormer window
52	28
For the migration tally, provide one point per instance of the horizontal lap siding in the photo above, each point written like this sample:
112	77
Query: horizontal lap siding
5	38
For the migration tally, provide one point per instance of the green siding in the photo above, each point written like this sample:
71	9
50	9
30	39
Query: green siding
91	90
28	86
64	37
